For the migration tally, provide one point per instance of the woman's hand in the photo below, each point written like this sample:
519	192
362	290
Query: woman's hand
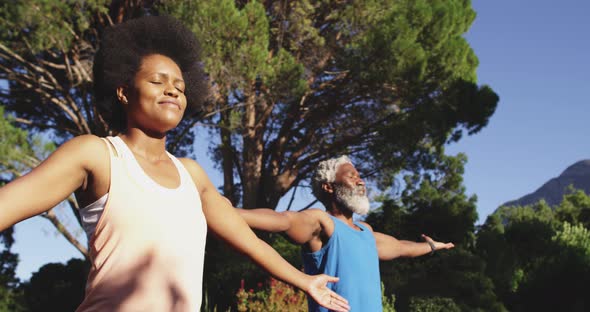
325	296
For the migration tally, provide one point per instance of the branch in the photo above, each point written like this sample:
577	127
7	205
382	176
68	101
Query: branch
75	208
43	126
292	198
308	205
40	80
50	215
178	139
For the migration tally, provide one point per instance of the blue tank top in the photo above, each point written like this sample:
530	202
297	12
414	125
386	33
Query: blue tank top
352	256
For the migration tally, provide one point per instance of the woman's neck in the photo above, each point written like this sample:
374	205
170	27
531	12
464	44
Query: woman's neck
148	146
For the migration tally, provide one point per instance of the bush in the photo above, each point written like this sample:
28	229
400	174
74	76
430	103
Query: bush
278	297
433	304
387	302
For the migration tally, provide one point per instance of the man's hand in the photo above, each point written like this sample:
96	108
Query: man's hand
325	296
437	245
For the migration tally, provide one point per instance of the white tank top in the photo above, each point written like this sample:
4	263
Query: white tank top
147	249
90	215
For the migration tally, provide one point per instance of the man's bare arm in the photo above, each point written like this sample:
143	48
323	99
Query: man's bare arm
299	226
266	220
389	248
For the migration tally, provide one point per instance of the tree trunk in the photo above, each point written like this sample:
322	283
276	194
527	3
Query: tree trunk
251	155
227	159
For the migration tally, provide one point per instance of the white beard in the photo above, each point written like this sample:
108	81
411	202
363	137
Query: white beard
351	200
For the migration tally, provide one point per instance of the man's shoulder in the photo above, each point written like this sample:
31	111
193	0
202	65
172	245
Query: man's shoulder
315	212
323	219
367	225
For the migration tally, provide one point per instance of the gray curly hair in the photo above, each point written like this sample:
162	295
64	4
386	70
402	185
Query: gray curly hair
326	173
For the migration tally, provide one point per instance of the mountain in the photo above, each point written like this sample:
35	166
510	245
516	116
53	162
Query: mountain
553	190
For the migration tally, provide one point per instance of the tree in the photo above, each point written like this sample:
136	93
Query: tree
574	208
434	203
507	241
435	304
18	153
293	82
57	286
539	256
11	299
296	82
437	203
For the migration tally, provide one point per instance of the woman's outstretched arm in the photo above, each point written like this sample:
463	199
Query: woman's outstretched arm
56	178
226	223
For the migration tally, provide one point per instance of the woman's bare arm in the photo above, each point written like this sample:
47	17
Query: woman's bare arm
56	178
225	221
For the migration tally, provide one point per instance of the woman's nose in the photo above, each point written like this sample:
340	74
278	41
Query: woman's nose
171	91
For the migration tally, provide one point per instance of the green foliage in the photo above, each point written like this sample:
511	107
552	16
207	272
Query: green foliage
14	145
575	208
294	82
11	300
224	268
388	302
287	250
438	203
223	264
537	258
47	24
419	40
11	297
307	79
236	45
57	287
434	203
19	152
368	78
433	304
576	237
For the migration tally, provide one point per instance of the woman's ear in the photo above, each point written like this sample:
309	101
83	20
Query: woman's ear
122	95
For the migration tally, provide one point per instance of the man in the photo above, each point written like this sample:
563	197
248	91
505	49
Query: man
334	244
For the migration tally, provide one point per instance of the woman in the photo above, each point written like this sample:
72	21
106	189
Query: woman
146	213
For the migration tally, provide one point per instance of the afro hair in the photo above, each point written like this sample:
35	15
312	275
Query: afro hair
120	55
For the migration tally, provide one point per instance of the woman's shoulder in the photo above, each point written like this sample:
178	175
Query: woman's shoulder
87	140
196	172
86	144
190	164
86	148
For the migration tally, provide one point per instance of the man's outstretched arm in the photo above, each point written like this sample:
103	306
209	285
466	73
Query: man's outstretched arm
266	220
390	248
298	226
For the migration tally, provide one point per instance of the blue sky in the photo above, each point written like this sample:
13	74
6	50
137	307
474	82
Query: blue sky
533	54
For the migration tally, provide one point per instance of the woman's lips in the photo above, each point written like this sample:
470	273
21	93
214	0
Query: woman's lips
170	102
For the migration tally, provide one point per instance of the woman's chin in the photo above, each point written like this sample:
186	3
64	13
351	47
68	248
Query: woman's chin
161	129
167	124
